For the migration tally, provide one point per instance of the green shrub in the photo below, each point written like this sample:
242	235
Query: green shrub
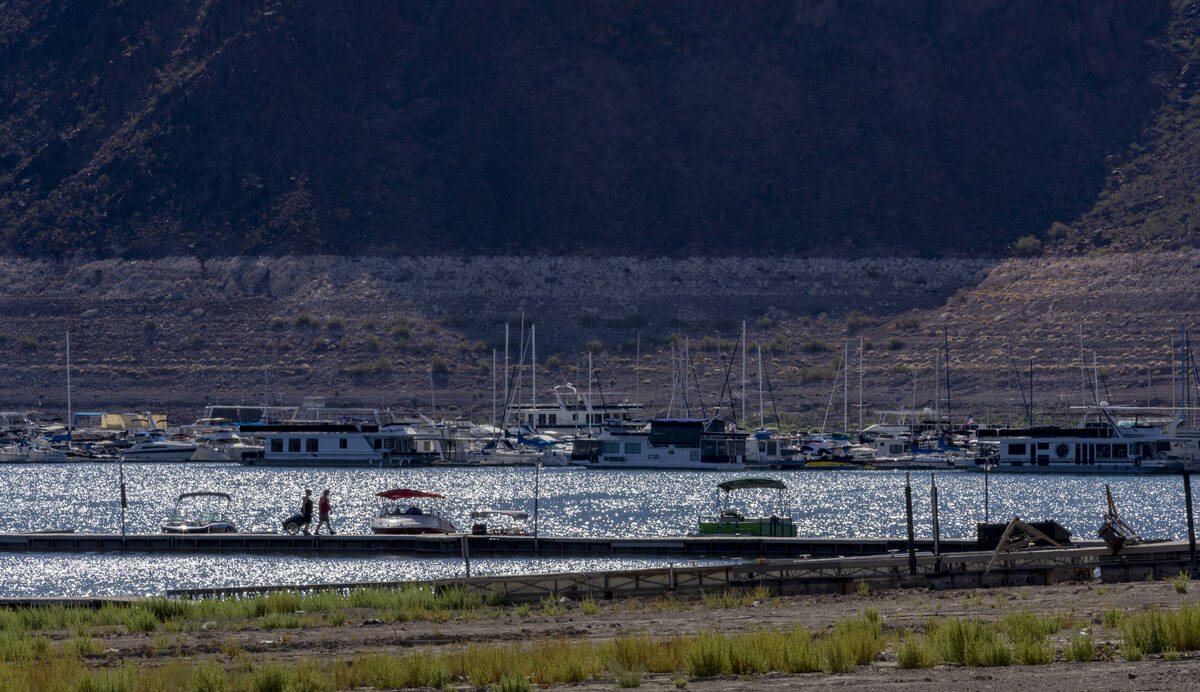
306	320
379	366
270	678
149	326
277	323
439	366
856	321
1181	582
895	343
707	655
909	321
815	345
916	652
320	343
210	677
1081	648
1027	246
594	346
400	331
553	362
335	324
1131	651
139	620
513	684
372	343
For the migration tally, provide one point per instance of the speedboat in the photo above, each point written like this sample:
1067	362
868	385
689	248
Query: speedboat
507	522
25	453
154	446
200	520
398	515
731	522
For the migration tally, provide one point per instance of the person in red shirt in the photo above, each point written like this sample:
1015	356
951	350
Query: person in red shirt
323	513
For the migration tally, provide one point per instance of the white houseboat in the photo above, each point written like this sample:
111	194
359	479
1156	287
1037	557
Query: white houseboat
573	410
1099	445
664	443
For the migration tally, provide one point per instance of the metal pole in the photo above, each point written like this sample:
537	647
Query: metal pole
1187	498
745	423
912	547
937	540
466	554
121	471
537	477
986	516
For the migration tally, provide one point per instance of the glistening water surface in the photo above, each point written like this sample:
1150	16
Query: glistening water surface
571	502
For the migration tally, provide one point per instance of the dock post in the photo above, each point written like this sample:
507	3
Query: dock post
466	554
1187	498
937	531
912	548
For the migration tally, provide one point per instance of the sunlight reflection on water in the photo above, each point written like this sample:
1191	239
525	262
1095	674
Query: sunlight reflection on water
572	502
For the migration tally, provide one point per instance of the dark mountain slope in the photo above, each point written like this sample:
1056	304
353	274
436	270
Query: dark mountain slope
234	126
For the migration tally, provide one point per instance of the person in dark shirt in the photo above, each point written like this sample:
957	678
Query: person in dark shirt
306	510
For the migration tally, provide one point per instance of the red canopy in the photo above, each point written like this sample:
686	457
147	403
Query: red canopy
405	493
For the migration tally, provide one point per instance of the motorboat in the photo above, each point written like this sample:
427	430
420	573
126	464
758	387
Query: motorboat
154	446
25	453
499	522
730	522
398	514
207	519
709	444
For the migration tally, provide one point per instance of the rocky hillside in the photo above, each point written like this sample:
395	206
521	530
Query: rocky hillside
174	333
136	128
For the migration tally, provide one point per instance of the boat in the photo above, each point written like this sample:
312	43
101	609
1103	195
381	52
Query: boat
664	443
573	410
26	453
508	522
1099	444
398	515
201	520
154	446
730	522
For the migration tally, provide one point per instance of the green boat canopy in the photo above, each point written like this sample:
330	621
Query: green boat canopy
744	483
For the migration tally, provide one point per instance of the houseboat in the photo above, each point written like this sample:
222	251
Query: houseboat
664	443
574	411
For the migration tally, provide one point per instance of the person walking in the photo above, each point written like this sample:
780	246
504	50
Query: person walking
306	510
323	513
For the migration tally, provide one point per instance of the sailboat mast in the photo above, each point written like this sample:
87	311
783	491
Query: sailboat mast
743	372
533	373
946	337
637	372
860	384
588	408
937	393
845	386
69	388
762	425
493	386
506	371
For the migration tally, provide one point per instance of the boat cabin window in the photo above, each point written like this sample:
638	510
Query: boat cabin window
1104	451
378	443
553	419
1118	451
541	419
341	443
293	444
633	448
277	445
310	444
1043	445
610	448
1016	449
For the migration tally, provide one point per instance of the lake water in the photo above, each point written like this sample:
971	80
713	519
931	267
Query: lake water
571	502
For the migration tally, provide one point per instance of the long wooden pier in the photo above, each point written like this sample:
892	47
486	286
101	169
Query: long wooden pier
694	547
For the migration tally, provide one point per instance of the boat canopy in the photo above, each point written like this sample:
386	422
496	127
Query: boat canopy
405	494
204	493
510	513
744	483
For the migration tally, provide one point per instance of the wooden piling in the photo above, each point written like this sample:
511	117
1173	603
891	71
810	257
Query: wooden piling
937	532
912	549
1187	499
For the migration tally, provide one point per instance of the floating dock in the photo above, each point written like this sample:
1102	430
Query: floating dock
685	547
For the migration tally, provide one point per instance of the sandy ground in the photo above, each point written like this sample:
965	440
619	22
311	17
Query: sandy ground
899	610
